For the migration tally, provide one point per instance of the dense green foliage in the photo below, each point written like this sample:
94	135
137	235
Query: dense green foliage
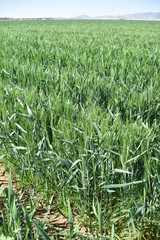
80	118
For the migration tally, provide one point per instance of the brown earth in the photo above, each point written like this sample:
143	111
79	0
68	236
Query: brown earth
54	219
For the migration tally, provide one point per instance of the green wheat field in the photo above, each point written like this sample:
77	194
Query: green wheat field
80	128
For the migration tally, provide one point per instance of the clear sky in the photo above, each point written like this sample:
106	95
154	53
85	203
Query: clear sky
73	8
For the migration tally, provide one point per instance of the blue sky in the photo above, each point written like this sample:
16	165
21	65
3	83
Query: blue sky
72	8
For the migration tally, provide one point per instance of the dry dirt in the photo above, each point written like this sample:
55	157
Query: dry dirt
54	219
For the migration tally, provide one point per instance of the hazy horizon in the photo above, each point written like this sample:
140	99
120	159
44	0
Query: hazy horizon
74	8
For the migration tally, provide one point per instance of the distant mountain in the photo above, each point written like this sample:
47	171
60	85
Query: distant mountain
136	16
84	17
142	16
